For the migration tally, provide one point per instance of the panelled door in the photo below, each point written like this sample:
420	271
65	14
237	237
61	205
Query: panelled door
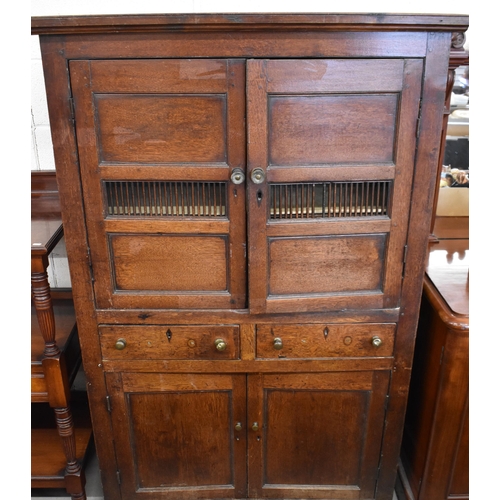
318	432
179	435
158	141
330	155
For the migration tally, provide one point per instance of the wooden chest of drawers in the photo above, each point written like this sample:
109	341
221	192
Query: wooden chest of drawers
246	202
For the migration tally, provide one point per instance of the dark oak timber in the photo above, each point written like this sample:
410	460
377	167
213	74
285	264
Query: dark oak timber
243	22
247	202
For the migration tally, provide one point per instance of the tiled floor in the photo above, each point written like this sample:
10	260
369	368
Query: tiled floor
94	488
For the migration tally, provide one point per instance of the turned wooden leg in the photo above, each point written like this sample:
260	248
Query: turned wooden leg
43	305
74	477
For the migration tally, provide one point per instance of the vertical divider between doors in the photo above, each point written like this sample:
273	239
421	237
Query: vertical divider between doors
257	154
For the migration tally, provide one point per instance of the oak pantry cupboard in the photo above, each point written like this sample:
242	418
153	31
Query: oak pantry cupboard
246	203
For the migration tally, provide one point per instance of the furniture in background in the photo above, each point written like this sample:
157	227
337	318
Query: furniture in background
435	451
59	440
458	57
246	203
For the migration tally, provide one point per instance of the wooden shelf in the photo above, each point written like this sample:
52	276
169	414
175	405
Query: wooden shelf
48	461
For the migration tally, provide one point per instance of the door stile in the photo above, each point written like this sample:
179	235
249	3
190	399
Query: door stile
376	416
405	164
257	194
236	194
255	441
116	408
81	81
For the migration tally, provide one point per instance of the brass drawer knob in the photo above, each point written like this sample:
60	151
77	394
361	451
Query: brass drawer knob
255	426
238	426
220	345
120	344
278	343
376	341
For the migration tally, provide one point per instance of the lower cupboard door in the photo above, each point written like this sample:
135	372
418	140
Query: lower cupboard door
315	435
177	435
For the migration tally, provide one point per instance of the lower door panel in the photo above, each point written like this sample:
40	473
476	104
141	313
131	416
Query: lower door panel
176	435
317	435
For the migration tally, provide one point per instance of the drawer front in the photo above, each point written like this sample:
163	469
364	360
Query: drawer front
169	342
325	341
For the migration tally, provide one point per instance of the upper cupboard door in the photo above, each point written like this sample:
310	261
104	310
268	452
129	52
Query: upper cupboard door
158	141
331	148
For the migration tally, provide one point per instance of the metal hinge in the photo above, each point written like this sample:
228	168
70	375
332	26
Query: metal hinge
108	403
417	130
118	477
91	269
72	108
405	254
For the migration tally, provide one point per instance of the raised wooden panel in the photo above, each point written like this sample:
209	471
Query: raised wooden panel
160	76
326	129
169	342
319	460
168	432
178	438
334	75
326	264
143	128
175	263
334	450
324	340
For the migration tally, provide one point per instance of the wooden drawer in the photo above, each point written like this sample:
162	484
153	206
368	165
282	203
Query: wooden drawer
169	342
325	341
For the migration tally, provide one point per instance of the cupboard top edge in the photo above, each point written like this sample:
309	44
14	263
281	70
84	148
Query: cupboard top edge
51	25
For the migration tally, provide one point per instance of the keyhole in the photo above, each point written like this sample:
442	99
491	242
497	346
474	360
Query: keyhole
259	197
